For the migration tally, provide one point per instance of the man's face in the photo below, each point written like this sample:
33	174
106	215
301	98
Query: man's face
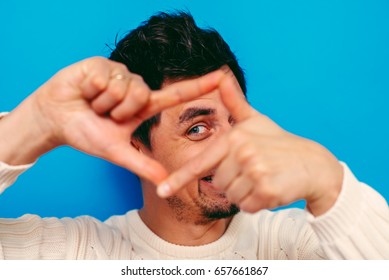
184	132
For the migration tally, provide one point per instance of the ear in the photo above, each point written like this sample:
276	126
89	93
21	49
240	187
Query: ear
136	144
140	147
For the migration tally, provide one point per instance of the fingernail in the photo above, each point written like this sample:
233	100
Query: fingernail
163	190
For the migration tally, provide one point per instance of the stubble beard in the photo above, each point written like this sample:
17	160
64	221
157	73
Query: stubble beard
204	209
215	210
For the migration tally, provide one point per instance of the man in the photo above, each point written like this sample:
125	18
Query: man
208	151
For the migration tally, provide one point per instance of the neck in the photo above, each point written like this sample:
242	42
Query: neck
175	229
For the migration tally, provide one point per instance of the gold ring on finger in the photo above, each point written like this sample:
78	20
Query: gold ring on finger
119	77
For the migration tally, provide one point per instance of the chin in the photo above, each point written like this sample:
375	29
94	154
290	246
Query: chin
209	205
214	204
216	213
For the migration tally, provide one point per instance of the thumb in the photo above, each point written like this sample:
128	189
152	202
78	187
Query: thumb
234	99
194	168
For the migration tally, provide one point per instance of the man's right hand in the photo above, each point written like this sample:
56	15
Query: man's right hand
94	106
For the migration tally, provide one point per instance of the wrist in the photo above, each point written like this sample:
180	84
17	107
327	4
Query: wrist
326	186
22	140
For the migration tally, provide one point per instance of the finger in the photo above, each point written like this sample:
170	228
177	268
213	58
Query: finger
113	95
259	198
137	96
126	156
96	73
226	172
251	204
180	92
194	169
239	189
234	100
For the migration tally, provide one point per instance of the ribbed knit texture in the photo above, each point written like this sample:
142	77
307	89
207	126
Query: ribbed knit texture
358	212
9	174
356	227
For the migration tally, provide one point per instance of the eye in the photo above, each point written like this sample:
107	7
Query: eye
198	129
198	132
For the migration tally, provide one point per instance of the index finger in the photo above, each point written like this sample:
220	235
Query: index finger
180	92
126	156
195	168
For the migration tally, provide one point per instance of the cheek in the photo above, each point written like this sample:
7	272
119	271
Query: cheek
171	149
174	153
172	157
175	156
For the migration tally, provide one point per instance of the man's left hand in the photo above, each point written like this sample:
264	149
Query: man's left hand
259	165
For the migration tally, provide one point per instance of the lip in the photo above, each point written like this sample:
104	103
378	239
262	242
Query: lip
205	181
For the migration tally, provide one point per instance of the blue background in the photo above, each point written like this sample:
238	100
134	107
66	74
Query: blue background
318	68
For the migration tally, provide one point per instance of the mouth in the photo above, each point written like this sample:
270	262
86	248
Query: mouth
207	179
206	185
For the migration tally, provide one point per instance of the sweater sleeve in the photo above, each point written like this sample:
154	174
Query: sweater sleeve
357	226
9	174
33	237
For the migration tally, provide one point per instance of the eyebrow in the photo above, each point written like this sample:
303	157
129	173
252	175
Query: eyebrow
190	113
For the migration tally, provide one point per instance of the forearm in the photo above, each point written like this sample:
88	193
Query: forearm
21	139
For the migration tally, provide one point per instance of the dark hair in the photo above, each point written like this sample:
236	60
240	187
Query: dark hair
170	46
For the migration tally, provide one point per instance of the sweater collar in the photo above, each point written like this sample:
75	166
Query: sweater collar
170	250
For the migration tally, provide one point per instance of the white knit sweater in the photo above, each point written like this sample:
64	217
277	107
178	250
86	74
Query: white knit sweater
356	227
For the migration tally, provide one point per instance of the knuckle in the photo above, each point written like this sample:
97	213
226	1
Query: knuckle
256	173
245	154
121	67
264	195
140	94
97	60
249	206
99	82
266	192
269	196
137	77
